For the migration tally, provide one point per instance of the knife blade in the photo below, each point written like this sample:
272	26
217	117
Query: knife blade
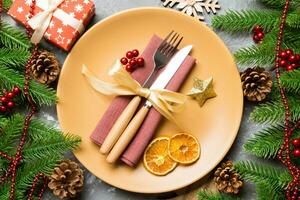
160	83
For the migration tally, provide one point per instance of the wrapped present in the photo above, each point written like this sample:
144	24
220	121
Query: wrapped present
59	21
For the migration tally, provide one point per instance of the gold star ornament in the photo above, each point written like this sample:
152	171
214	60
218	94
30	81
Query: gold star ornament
202	90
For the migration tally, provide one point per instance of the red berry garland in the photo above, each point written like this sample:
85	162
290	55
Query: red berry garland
258	34
132	61
293	187
288	59
15	161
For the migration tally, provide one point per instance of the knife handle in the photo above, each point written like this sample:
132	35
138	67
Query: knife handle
127	135
120	125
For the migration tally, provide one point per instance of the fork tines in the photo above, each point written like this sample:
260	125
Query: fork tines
170	44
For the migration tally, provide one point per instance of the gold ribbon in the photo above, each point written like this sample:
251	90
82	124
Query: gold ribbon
164	101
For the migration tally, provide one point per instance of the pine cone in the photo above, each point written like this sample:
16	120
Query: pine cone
66	180
257	83
45	67
226	179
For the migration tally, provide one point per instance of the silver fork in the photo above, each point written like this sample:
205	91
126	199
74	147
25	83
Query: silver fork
161	57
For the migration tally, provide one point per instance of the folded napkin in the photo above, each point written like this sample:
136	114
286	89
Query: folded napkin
136	148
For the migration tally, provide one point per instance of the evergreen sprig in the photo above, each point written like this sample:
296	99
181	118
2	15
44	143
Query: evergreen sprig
205	195
275	178
41	94
7	4
13	38
266	143
14	58
265	192
291	81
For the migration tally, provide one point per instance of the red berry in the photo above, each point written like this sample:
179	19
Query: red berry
282	63
297	56
129	68
133	62
294	65
135	52
289	68
10	104
256	39
257	29
296	142
124	61
140	61
292	59
282	54
296	153
129	54
3	109
16	90
289	52
10	95
3	99
260	35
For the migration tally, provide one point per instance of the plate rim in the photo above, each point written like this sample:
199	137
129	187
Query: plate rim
236	130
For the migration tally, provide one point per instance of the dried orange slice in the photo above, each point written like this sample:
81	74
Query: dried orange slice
184	148
156	158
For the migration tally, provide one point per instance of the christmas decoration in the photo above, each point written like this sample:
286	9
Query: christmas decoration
66	179
202	90
7	100
70	18
226	179
45	67
256	83
132	61
30	148
194	8
282	111
288	60
258	34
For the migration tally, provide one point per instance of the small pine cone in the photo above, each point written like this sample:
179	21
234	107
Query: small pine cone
257	83
45	68
226	179
66	179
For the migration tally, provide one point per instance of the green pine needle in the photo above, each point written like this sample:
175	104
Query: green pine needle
7	4
293	20
41	94
234	21
273	112
276	178
266	143
264	192
13	38
291	81
205	195
15	58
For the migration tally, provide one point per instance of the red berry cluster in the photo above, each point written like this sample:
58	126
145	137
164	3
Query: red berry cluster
7	99
288	59
132	61
296	144
258	34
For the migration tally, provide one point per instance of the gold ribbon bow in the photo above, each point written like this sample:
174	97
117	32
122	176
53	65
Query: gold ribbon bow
41	21
164	101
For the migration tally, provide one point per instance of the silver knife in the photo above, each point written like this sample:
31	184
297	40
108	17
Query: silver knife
134	125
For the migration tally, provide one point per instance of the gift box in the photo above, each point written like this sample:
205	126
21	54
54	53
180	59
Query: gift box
67	22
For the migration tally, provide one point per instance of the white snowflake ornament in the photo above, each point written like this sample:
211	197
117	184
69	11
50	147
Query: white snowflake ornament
194	8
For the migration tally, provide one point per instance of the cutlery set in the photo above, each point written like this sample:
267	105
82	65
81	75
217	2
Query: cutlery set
130	120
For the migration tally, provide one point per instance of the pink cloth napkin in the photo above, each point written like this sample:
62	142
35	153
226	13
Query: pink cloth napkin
135	150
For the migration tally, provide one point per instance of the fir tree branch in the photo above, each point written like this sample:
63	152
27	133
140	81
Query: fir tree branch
15	58
205	195
264	192
41	94
278	4
273	112
7	4
266	143
13	38
293	20
245	20
291	81
275	178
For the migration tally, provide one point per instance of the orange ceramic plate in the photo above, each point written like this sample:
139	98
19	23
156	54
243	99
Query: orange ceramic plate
215	125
